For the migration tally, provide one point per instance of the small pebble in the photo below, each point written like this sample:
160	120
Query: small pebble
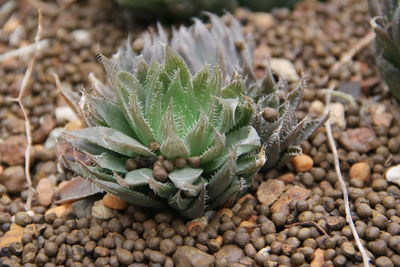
114	202
361	171
302	163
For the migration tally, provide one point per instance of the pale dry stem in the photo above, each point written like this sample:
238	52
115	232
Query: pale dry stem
349	219
347	57
23	91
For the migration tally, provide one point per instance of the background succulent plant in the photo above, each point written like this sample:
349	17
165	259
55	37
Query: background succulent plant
159	136
385	22
175	9
257	5
221	42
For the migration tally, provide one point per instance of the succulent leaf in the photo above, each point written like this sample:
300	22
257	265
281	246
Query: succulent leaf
138	177
178	202
229	195
111	114
130	196
112	140
184	178
172	146
199	136
110	162
197	207
217	148
222	178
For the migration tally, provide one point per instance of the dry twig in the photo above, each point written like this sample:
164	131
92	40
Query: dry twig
347	57
23	91
343	187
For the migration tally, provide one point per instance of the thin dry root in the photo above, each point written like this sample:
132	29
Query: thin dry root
23	91
344	188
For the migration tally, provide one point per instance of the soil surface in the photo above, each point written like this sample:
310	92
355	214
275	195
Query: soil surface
291	217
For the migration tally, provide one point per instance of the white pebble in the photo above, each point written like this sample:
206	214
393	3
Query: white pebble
284	68
317	107
393	174
82	37
65	114
337	115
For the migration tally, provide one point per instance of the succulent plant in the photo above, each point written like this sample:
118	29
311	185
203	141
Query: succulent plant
385	22
160	136
180	127
276	122
222	42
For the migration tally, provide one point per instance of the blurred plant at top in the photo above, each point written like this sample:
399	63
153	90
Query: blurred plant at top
267	5
175	9
385	21
184	9
179	123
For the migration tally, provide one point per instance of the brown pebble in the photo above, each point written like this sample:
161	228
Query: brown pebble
167	247
270	114
101	251
335	223
302	163
363	210
394	242
360	171
287	178
50	248
131	164
242	239
157	257
168	165
22	218
377	247
160	173
41	259
114	202
348	249
383	262
279	218
180	163
124	256
297	259
379	185
194	162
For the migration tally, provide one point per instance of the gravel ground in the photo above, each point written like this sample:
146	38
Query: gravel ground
292	217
